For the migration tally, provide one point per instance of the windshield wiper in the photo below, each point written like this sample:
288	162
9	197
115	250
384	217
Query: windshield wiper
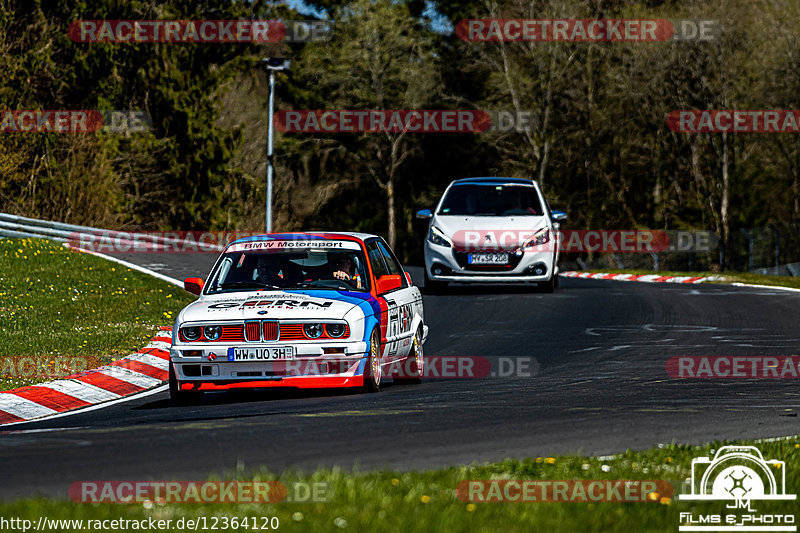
325	284
247	285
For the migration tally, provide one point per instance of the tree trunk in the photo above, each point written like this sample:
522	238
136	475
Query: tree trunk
390	210
724	203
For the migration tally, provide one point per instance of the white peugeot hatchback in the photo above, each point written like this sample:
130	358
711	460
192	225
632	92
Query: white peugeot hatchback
492	230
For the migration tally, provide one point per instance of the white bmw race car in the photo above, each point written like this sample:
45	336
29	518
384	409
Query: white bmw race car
306	310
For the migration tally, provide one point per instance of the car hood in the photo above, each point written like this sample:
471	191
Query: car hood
283	305
456	227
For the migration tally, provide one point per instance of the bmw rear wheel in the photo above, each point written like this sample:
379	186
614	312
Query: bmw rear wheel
414	365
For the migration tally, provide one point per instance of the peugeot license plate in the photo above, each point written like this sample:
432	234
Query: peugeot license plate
487	259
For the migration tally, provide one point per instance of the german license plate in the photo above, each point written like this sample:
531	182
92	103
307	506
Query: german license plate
272	353
487	259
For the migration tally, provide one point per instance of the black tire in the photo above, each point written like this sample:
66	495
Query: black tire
178	396
415	362
434	287
373	373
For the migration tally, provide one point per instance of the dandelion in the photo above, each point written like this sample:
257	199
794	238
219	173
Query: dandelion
665	501
470	507
425	498
550	460
395	482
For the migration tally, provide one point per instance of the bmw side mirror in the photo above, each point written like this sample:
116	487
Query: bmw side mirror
425	214
558	216
193	285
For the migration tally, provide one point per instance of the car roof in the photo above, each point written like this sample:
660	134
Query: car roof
321	235
493	181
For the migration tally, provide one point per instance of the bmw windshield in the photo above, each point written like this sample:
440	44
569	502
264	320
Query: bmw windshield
309	268
491	201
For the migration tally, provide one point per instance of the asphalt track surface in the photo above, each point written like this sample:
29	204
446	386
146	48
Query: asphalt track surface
598	386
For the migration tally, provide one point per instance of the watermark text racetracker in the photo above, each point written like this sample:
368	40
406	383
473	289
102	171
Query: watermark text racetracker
73	121
198	31
42	366
586	30
404	120
202	492
734	367
578	241
561	491
434	367
735	121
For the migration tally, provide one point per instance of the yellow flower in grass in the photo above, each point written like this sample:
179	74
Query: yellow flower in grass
425	498
470	507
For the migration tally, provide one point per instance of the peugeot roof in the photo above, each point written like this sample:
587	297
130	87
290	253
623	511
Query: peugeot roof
493	181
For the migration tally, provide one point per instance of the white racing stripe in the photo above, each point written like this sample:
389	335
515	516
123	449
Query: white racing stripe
80	390
148	359
23	408
135	378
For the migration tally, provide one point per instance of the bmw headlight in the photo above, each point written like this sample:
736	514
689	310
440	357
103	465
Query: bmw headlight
436	236
191	333
335	330
212	333
313	331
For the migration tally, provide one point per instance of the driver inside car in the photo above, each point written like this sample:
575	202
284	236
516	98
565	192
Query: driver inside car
269	268
343	268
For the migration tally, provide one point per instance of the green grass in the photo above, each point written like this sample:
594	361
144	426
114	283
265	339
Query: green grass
427	501
727	277
68	310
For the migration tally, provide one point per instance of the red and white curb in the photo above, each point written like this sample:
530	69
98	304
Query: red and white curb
138	372
647	278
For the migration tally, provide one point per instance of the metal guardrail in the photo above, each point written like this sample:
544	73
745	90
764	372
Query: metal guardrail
15	226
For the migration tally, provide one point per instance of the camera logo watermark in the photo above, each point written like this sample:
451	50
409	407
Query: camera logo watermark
734	121
74	121
586	30
737	475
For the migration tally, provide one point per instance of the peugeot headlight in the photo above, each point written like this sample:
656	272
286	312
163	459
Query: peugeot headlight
212	333
539	238
191	333
313	331
436	236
